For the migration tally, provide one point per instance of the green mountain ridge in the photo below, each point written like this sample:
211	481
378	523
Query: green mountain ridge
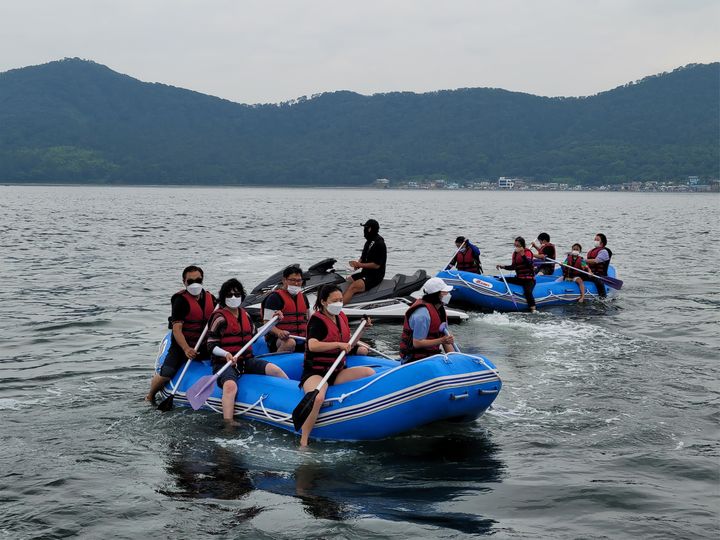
78	121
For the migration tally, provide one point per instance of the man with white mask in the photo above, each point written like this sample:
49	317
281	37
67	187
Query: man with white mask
295	307
191	310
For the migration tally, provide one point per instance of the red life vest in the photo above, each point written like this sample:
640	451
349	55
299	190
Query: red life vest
320	362
600	268
294	313
523	269
466	261
197	316
237	333
575	262
549	251
437	316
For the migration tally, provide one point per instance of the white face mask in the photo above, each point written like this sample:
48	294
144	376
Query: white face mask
194	289
596	243
233	302
335	308
446	299
575	253
294	289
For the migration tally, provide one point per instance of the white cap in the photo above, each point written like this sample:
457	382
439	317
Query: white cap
434	285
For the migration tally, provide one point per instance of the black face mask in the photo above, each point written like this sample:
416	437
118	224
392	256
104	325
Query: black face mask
369	233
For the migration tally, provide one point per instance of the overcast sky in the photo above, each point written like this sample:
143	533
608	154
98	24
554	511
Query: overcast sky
276	50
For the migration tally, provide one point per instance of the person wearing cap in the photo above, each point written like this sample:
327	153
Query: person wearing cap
371	264
467	257
423	328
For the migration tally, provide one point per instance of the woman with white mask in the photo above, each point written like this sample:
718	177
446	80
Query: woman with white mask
328	334
230	328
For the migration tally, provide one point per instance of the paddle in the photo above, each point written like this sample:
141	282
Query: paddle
198	393
447	266
446	331
304	408
167	403
368	347
611	282
512	296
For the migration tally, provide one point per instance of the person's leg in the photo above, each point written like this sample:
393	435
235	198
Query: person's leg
286	345
357	286
274	371
350	374
581	285
229	389
156	384
308	386
528	287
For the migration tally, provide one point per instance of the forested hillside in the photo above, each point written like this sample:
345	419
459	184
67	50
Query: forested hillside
78	121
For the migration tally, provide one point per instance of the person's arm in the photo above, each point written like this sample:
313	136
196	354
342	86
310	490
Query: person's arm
273	304
180	310
215	332
420	324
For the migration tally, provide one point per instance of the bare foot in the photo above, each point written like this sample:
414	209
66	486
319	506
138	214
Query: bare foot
581	300
151	399
229	424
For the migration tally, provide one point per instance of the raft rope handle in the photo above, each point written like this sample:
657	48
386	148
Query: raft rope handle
474	287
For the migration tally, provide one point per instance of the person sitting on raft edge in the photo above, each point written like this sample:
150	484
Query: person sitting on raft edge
293	303
191	310
467	258
230	329
422	333
328	334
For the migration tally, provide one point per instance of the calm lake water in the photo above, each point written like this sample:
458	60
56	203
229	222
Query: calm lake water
607	425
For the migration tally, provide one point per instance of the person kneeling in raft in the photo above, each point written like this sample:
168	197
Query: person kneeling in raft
328	334
230	329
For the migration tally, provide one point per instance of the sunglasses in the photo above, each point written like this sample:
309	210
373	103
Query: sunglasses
296	281
194	280
234	295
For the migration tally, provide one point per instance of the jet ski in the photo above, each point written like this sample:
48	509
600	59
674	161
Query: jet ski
387	301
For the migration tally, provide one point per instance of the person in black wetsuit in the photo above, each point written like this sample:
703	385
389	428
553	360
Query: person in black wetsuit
371	264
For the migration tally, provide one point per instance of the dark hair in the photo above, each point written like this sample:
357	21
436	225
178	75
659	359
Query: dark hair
229	286
603	238
433	298
292	269
323	294
459	239
521	240
544	236
578	245
192	268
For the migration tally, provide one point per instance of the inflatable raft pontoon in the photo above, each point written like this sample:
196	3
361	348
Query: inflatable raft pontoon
491	292
397	398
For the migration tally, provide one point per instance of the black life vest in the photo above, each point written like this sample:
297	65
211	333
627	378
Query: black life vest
600	268
575	262
466	261
523	267
437	318
237	333
197	316
294	312
318	363
549	251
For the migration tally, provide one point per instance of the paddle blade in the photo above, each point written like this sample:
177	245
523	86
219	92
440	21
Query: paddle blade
166	404
198	393
303	409
612	282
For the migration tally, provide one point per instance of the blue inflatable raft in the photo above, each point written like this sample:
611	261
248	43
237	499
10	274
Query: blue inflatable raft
396	399
490	292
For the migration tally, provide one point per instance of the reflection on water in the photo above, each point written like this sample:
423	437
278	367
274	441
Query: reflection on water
406	479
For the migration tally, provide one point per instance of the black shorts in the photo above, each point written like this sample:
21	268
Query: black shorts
175	359
251	366
370	281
